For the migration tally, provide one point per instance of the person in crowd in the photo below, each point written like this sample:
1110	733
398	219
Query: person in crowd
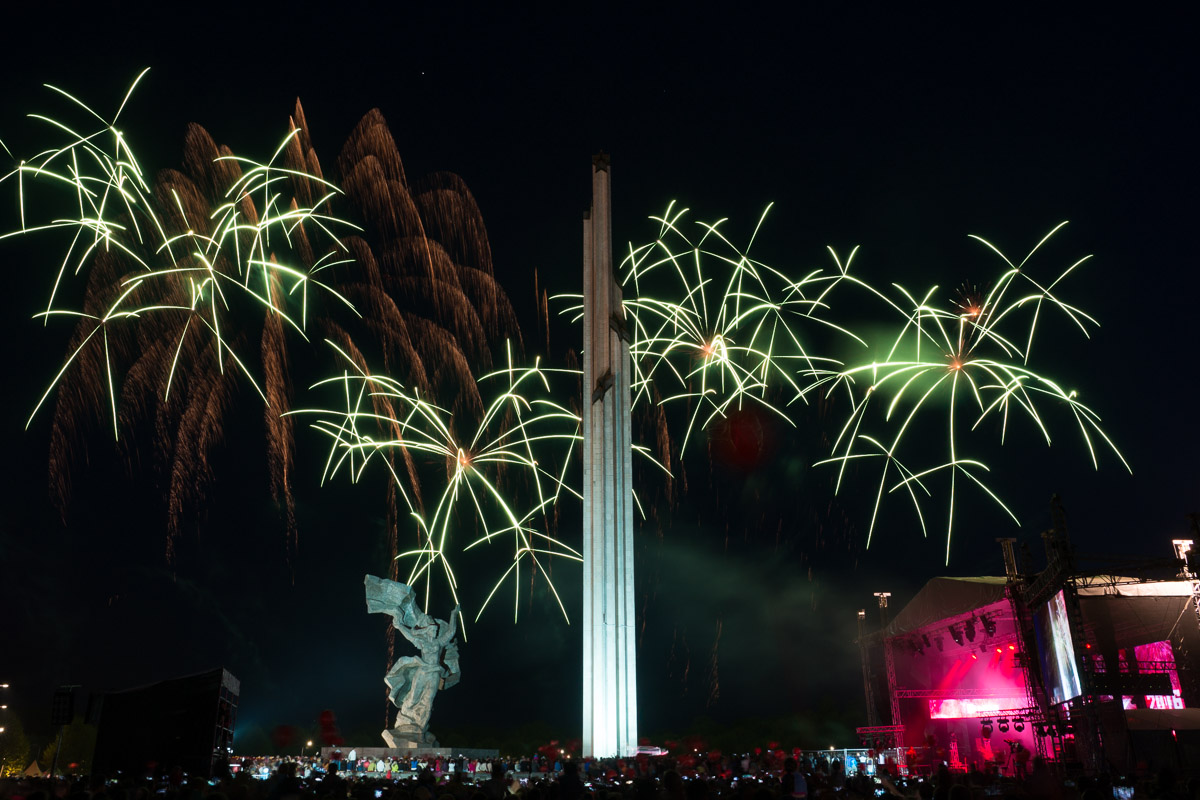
570	787
495	788
333	785
793	782
284	785
672	785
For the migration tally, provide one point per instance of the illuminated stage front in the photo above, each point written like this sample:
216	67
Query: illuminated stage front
977	680
954	671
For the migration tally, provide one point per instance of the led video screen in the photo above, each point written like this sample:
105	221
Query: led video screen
1056	651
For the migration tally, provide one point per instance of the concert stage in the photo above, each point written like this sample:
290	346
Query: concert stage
1091	670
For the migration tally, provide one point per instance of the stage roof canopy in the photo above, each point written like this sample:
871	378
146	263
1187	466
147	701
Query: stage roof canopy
1144	611
1115	585
943	598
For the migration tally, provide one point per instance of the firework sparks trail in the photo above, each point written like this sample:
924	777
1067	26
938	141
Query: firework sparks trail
972	361
520	431
175	270
723	328
726	329
191	272
186	260
725	339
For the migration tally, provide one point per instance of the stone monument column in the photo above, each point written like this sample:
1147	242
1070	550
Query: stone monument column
609	629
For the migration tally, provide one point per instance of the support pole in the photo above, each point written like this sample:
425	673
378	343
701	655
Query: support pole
872	715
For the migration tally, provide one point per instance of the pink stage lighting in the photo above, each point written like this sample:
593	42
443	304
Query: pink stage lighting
970	707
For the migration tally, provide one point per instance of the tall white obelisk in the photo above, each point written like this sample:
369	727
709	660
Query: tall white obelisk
609	630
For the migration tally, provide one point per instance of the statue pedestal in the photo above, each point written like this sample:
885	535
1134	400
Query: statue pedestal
409	739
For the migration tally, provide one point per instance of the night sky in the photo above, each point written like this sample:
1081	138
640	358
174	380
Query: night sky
902	131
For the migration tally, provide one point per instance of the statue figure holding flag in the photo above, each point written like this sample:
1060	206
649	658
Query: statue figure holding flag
413	681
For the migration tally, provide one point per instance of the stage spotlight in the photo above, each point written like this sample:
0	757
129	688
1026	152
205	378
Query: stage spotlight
985	728
1018	724
1039	729
925	638
918	648
989	625
969	627
956	635
1002	724
940	642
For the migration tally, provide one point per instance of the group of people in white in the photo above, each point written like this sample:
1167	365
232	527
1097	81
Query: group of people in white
389	768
